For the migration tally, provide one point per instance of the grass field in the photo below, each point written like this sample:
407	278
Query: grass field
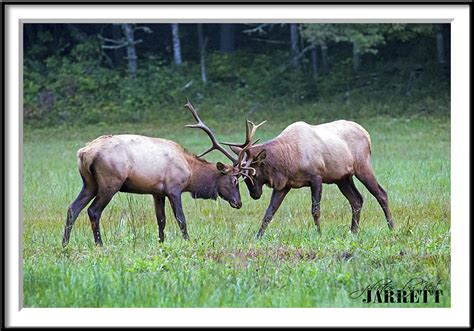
223	264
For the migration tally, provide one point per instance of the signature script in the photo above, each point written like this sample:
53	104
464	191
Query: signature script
416	290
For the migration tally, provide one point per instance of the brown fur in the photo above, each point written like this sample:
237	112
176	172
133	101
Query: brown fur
146	165
309	155
203	182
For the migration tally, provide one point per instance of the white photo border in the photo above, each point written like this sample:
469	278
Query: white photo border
457	315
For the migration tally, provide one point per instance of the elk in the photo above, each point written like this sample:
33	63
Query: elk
310	155
146	165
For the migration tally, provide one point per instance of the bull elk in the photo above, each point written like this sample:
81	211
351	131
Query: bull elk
310	155
145	165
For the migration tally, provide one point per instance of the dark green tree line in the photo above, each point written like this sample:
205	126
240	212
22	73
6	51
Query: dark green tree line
94	70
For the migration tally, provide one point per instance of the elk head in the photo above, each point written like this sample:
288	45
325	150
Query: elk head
250	160
227	182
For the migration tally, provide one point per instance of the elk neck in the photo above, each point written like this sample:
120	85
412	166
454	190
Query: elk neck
279	162
203	181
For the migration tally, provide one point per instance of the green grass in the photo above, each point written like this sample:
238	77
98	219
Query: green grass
223	264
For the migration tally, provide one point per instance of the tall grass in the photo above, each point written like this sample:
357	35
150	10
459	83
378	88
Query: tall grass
223	264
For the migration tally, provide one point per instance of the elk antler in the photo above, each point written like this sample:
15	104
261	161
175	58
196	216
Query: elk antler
200	125
242	163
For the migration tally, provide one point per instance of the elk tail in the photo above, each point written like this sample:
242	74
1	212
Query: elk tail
86	168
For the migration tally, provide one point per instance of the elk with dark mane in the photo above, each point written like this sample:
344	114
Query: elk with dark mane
310	155
145	165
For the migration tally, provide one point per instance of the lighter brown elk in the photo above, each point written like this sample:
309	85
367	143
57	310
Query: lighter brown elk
309	155
147	165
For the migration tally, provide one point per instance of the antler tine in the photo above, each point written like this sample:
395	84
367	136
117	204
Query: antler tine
244	174
246	137
243	164
193	111
239	145
249	133
200	125
255	127
251	129
252	169
244	167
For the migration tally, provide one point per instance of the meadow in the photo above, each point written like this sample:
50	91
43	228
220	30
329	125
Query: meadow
223	264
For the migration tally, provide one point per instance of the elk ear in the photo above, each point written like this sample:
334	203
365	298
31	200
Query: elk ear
260	157
225	170
235	149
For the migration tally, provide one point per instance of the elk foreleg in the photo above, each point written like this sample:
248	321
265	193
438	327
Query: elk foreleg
175	200
160	215
316	191
275	202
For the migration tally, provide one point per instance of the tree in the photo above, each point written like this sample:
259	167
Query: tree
128	41
131	53
202	49
440	46
320	35
176	44
364	38
295	49
314	62
227	40
324	57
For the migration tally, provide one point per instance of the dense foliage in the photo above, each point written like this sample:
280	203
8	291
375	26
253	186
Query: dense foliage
69	77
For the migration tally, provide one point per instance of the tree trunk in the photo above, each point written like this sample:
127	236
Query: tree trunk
131	54
314	62
295	49
202	50
324	58
227	40
440	47
176	44
355	57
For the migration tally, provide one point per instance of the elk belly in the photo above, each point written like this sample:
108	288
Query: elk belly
154	165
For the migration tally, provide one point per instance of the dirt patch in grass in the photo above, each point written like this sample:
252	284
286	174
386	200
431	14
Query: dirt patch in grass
281	253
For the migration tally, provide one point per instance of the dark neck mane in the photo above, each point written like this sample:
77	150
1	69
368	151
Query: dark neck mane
203	181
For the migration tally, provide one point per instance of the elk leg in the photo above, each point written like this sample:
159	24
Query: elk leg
275	202
349	190
369	181
175	200
85	196
316	191
95	211
160	215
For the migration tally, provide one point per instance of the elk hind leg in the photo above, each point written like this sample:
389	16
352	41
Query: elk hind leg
370	182
88	192
101	201
349	190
